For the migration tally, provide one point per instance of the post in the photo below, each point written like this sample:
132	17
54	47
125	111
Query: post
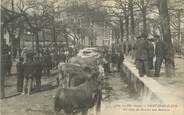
144	17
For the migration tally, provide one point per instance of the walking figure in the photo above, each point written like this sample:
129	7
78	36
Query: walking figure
141	56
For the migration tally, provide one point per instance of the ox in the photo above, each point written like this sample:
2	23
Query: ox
72	74
80	98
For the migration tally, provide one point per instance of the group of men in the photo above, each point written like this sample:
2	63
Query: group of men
29	73
113	59
32	66
145	53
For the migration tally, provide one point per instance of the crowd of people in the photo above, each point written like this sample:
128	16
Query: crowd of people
32	66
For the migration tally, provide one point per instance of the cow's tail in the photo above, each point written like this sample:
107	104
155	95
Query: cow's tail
98	105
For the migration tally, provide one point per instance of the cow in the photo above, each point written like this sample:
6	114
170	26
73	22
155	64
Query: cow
80	98
72	74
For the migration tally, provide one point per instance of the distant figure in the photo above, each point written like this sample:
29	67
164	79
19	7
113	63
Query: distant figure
119	60
101	70
151	54
66	53
38	72
106	61
141	56
160	51
46	63
9	64
61	79
114	60
20	74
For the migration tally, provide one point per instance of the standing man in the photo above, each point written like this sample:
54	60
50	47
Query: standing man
20	75
151	54
160	51
9	64
141	55
120	60
66	53
46	63
38	72
29	70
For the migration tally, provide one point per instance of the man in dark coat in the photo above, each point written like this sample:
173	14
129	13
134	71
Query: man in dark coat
107	62
38	72
46	63
20	75
141	56
120	60
151	54
160	52
29	70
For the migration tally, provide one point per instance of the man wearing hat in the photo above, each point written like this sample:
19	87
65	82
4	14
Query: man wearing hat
141	55
38	72
151	53
29	70
160	51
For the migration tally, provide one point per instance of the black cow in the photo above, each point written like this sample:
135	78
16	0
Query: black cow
79	98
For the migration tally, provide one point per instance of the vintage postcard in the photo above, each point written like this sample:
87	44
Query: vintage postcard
92	57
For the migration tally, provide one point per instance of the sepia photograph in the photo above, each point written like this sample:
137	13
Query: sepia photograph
92	57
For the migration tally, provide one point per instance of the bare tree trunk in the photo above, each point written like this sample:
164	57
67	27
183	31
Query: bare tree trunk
165	27
12	32
126	22
121	28
43	34
37	40
132	18
144	17
2	80
2	77
179	31
35	32
132	30
54	32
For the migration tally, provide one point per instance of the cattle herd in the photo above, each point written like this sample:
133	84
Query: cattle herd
79	85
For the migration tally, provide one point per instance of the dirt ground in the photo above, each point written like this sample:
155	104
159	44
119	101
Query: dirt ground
41	103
